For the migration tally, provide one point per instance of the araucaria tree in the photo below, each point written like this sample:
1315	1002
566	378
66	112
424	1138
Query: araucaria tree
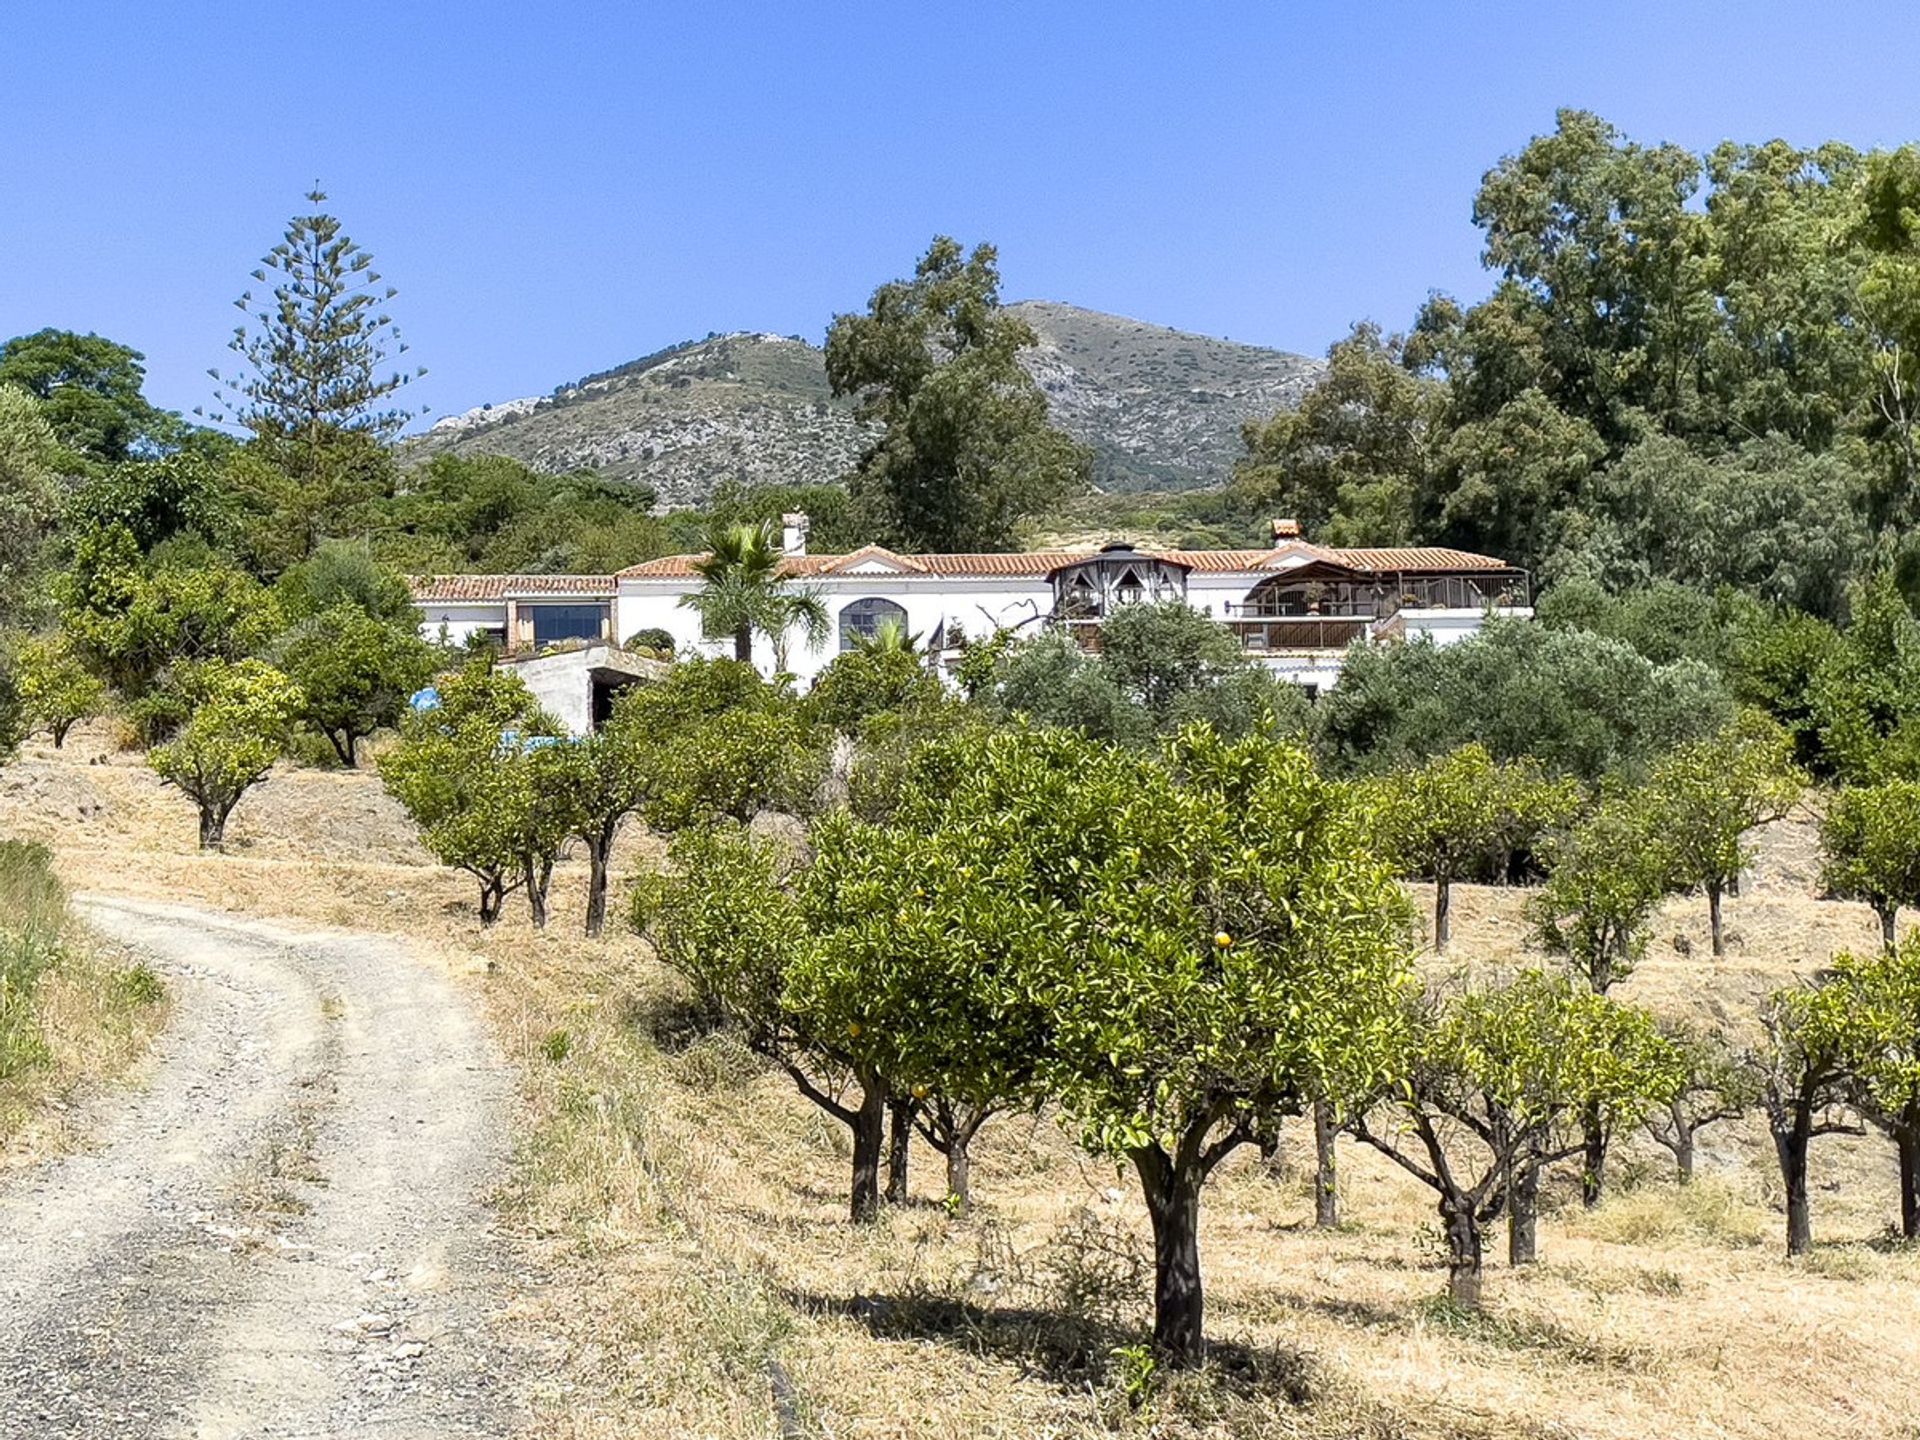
1495	1085
965	448
242	713
1707	794
1870	840
1460	814
315	353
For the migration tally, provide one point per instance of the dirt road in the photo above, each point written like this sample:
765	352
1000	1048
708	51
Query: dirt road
283	1231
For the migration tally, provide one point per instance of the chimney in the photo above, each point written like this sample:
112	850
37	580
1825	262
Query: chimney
1285	530
793	533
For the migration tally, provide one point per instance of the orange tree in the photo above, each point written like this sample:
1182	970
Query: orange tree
1495	1084
1802	1079
1883	1056
1214	945
1870	841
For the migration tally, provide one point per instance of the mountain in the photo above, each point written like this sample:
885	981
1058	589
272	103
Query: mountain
1161	409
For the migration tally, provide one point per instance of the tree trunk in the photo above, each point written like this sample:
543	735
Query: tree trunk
599	848
1906	1137
1790	1146
1179	1307
60	728
1889	918
899	1146
1463	1251
743	645
1682	1141
1442	912
343	745
959	1173
1713	919
1326	1169
537	894
869	1139
493	894
1593	1176
213	827
1523	1207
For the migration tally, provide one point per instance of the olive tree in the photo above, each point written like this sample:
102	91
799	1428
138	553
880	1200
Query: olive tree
1498	1081
1705	795
242	714
1460	814
1870	844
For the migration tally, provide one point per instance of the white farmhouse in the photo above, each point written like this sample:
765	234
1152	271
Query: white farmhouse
1295	607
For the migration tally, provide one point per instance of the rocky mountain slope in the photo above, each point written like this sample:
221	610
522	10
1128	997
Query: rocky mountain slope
1161	408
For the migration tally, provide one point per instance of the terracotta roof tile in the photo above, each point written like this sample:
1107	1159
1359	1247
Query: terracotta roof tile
502	587
1037	563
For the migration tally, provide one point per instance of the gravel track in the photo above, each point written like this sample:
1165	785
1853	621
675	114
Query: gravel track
284	1232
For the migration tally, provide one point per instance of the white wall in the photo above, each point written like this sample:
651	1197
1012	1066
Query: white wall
461	618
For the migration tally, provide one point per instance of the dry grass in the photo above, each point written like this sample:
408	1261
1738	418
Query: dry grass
682	1209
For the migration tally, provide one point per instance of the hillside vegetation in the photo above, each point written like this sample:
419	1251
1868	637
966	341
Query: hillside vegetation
1160	408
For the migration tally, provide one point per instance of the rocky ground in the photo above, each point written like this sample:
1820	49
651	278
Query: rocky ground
285	1232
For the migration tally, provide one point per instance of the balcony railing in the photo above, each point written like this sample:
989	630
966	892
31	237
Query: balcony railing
1265	634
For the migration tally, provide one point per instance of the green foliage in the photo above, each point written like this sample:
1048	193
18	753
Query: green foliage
1579	704
492	513
13	708
743	594
33	913
1605	877
345	573
1157	669
1870	843
1878	1012
355	673
242	714
1663	620
132	618
965	449
867	682
29	466
89	390
56	689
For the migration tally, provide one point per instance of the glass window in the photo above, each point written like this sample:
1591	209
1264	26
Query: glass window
862	619
552	623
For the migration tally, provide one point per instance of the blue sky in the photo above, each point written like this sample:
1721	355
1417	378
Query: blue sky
559	187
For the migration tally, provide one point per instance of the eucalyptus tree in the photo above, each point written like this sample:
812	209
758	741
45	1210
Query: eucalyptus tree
1498	1081
965	448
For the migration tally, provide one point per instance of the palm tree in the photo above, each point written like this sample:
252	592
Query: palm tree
743	594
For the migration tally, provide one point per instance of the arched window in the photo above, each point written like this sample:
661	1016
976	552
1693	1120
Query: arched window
861	619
